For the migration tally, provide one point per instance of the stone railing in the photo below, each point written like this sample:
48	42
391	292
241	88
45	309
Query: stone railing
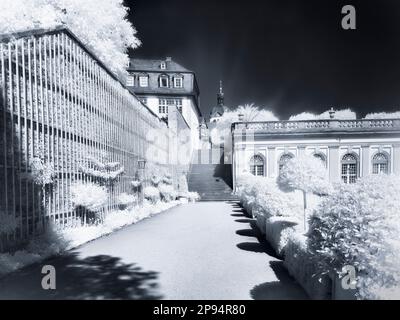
319	126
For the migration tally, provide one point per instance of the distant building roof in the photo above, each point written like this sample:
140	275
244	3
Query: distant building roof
155	65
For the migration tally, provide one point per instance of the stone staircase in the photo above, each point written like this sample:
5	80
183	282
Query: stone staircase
212	181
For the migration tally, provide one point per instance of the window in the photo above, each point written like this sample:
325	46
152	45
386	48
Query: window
380	163
178	82
257	165
284	158
130	81
163	66
321	157
349	168
178	103
164	81
143	81
162	106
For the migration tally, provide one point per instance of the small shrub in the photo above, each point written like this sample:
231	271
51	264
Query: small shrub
152	194
136	184
167	192
126	200
90	196
155	180
190	196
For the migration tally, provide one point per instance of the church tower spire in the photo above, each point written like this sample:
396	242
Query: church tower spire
220	95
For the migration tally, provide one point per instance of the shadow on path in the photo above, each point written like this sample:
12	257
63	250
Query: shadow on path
96	277
284	289
261	246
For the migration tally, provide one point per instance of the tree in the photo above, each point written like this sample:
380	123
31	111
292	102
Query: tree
307	174
383	115
345	114
250	112
101	25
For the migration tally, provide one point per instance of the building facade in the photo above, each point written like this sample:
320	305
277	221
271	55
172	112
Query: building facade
349	148
162	84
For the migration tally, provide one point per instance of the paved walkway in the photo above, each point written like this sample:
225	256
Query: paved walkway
206	250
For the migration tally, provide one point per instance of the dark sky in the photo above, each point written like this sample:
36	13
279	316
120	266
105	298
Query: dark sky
288	56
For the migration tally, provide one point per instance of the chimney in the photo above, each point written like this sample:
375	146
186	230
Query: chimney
168	59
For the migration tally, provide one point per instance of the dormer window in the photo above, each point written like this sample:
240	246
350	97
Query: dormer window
143	81
163	66
130	81
164	81
178	82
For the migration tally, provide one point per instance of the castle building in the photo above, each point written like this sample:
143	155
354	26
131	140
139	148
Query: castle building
349	148
162	84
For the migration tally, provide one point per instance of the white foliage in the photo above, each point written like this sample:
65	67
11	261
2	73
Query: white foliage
136	183
100	24
359	225
125	199
345	114
190	196
383	115
250	112
108	173
42	173
167	192
152	194
306	173
89	195
262	196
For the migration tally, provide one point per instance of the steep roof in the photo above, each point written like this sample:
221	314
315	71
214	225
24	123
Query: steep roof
154	65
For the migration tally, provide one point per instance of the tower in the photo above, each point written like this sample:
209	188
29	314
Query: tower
217	112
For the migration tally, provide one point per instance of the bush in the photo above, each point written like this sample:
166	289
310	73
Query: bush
191	196
167	192
152	194
359	225
126	200
262	196
89	195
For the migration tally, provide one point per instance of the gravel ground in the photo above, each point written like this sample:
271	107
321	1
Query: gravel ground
205	250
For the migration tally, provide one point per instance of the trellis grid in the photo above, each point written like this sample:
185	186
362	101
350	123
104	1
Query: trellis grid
60	104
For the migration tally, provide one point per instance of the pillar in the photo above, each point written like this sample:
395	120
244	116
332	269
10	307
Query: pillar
334	164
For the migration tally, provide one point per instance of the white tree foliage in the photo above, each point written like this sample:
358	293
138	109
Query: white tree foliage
102	25
250	112
306	173
345	114
383	115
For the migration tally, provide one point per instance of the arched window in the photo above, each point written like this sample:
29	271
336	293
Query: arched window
257	165
163	81
321	157
284	158
380	163
349	168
